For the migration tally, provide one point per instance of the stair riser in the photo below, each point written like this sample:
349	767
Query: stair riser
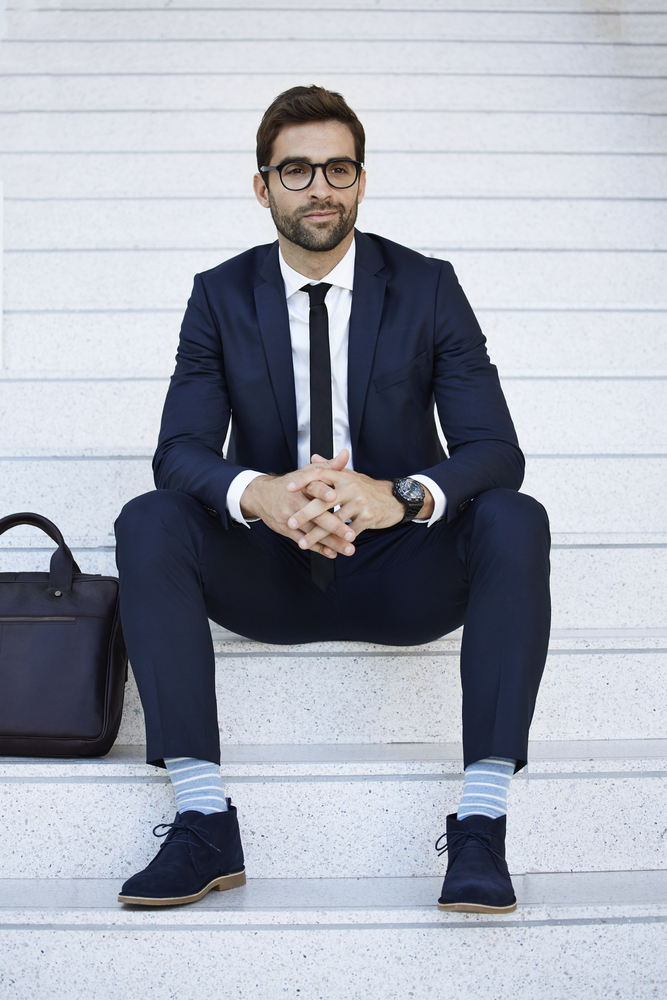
335	826
582	224
107	484
417	698
552	418
496	279
592	587
579	961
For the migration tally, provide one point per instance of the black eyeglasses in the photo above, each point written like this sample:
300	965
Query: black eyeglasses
297	175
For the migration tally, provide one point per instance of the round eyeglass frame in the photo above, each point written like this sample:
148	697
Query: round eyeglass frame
313	166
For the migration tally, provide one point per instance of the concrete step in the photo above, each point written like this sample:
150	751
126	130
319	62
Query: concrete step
345	811
629	281
134	345
553	416
536	224
193	92
104	484
574	935
216	129
227	23
365	693
342	55
596	583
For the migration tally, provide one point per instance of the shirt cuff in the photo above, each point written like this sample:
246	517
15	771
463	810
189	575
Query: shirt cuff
439	500
235	492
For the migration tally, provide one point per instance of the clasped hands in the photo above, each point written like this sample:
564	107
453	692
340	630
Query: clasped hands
299	504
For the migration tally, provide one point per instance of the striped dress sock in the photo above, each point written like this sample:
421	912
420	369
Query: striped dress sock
197	785
485	788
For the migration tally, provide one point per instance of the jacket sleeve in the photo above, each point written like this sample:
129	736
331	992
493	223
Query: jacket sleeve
482	443
196	413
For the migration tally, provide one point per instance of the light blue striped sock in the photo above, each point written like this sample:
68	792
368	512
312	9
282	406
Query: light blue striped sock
485	788
197	784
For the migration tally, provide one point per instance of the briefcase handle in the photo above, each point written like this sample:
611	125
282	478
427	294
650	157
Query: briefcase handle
62	562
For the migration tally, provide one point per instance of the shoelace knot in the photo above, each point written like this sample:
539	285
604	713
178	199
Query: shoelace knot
481	838
186	828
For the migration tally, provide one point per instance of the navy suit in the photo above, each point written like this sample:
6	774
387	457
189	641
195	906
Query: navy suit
413	343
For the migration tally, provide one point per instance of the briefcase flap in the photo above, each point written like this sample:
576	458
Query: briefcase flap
88	595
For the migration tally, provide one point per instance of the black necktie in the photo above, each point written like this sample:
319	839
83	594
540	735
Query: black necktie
321	408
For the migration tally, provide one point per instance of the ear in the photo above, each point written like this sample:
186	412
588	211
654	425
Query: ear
261	190
362	186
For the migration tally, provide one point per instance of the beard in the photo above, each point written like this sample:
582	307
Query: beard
320	238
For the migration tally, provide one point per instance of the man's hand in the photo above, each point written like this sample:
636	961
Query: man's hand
364	502
271	499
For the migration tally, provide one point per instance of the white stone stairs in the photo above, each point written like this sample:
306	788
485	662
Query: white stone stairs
532	155
340	802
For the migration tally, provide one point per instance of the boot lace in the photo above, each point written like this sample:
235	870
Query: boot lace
451	843
180	833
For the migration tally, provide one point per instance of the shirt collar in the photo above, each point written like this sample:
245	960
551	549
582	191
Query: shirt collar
342	275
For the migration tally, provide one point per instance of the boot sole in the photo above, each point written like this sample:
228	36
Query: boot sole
475	908
224	882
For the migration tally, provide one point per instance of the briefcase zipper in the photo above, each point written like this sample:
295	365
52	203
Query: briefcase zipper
19	619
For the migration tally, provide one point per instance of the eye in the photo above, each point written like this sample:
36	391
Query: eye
340	169
294	169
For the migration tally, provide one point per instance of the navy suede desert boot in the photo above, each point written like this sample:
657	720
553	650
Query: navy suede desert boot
201	852
477	879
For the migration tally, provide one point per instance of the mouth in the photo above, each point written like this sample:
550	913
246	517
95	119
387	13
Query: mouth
321	216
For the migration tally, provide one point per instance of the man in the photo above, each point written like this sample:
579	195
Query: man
336	513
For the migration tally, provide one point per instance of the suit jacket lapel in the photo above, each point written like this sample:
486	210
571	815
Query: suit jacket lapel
274	327
367	304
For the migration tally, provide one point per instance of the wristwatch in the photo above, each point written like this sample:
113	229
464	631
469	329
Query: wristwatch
412	494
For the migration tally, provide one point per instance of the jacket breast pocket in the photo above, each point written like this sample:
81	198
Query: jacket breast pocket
400	374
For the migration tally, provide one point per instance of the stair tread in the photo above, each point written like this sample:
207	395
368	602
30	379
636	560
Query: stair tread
234	644
563	756
553	896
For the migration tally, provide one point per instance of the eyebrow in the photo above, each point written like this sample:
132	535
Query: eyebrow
307	159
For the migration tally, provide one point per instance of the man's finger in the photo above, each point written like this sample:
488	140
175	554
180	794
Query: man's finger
338	462
328	545
318	534
317	511
333	524
311	473
352	514
320	491
312	509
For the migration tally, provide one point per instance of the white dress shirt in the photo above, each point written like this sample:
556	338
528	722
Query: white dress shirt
339	304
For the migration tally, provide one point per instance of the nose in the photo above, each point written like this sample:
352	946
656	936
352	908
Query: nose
319	188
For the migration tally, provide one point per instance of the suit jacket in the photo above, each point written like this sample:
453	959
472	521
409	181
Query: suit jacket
414	342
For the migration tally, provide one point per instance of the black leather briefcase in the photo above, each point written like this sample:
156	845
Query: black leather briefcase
63	663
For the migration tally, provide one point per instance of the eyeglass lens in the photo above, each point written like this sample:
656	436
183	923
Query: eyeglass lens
339	174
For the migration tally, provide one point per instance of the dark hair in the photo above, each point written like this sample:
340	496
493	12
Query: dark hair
299	105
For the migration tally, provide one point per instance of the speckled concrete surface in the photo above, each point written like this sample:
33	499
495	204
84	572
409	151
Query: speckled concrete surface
123	416
550	961
346	698
46	485
301	759
337	824
522	342
542	414
608	587
556	896
597	586
610	481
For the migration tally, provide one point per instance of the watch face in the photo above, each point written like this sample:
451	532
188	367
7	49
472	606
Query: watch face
410	490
